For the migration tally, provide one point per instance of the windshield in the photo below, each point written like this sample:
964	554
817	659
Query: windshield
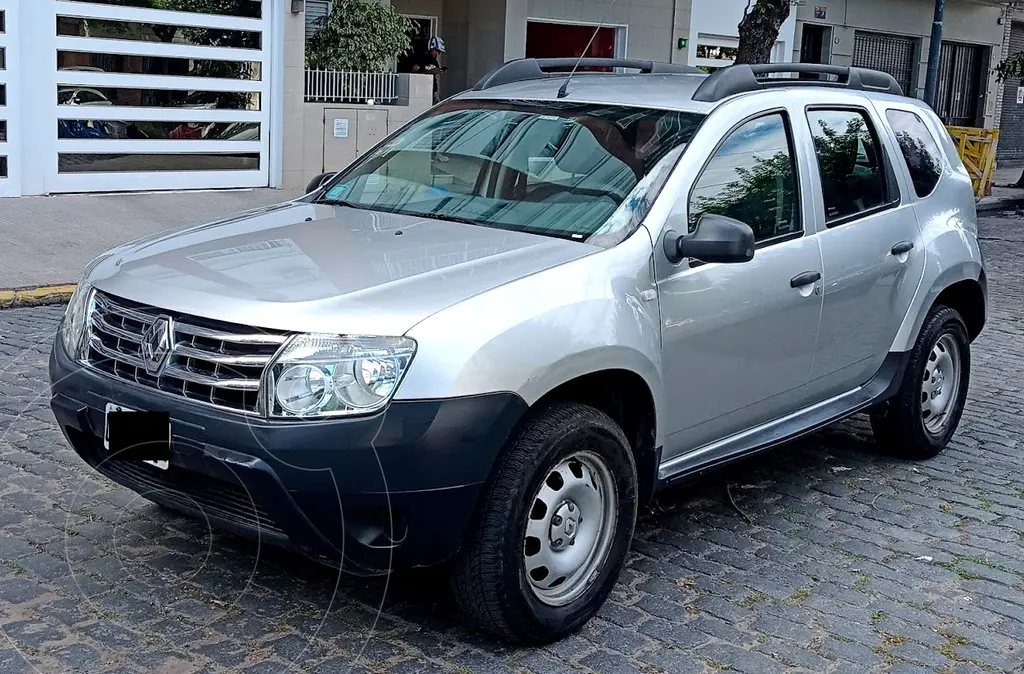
579	171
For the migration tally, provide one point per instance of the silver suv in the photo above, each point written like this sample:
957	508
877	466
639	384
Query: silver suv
499	332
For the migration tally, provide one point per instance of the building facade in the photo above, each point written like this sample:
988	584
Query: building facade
118	95
1010	151
895	35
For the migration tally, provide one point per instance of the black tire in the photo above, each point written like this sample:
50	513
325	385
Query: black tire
900	426
489	578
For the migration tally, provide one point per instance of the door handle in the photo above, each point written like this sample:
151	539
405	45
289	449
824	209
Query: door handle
805	279
903	247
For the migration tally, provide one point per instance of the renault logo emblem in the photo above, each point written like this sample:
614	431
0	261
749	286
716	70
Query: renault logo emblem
156	344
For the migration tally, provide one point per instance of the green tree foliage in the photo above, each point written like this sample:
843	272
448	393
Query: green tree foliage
1011	67
758	196
921	161
359	36
764	195
218	37
211	37
837	151
242	8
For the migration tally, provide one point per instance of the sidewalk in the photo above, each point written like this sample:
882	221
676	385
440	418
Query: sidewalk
49	240
1003	197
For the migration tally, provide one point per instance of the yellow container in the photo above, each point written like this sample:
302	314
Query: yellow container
977	149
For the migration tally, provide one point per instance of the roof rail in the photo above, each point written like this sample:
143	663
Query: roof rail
520	70
743	77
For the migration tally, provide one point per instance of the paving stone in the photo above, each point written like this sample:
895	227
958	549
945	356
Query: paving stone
887	567
13	661
34	634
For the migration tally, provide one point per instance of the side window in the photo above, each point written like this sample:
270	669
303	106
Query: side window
919	149
853	178
752	178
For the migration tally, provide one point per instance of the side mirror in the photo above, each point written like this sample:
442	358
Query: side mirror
318	182
717	239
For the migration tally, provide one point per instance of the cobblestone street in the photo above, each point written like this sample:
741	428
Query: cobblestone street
836	559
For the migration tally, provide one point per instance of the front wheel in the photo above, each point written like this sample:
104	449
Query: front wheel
921	419
554	528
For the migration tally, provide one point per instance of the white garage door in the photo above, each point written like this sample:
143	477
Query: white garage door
160	94
10	157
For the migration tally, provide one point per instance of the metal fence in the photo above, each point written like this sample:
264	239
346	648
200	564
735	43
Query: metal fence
336	86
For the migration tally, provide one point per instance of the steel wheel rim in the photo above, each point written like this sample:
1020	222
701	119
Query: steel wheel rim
940	385
570	528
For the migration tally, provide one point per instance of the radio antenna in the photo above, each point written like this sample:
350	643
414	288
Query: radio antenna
564	89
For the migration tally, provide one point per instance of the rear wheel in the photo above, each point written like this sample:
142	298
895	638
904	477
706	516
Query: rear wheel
554	530
921	419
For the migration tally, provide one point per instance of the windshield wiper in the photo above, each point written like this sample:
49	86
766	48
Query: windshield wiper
453	218
343	202
526	229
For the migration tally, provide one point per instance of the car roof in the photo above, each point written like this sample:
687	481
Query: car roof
678	89
659	91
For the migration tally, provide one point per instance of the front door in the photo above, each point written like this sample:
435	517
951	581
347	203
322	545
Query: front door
738	338
871	246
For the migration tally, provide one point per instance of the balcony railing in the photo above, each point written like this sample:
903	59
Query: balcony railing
336	86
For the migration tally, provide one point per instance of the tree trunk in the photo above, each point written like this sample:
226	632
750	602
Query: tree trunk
759	29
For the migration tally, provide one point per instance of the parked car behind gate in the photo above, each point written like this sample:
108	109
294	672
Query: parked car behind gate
499	332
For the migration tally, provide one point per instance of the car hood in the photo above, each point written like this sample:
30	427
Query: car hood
318	268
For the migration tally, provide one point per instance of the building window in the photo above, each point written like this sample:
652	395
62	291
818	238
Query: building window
710	51
315	10
718	51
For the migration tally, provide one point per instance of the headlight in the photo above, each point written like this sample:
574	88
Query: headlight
331	375
73	328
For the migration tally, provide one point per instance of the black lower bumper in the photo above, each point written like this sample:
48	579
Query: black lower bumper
371	494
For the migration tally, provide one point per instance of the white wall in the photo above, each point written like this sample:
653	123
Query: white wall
720	18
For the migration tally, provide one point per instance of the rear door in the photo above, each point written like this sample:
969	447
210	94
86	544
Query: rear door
871	242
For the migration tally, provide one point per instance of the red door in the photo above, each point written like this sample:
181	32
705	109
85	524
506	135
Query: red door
559	40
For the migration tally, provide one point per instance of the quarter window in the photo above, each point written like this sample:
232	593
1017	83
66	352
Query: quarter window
919	149
752	178
853	180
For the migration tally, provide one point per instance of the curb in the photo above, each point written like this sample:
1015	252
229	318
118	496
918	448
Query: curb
36	296
1000	205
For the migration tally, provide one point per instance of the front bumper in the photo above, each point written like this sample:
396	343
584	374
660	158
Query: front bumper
371	494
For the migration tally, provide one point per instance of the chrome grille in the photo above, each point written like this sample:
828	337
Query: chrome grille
210	362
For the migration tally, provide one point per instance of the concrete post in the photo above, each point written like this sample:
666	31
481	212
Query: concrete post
480	35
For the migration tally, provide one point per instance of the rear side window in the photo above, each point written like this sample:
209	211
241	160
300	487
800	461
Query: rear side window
919	149
853	177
